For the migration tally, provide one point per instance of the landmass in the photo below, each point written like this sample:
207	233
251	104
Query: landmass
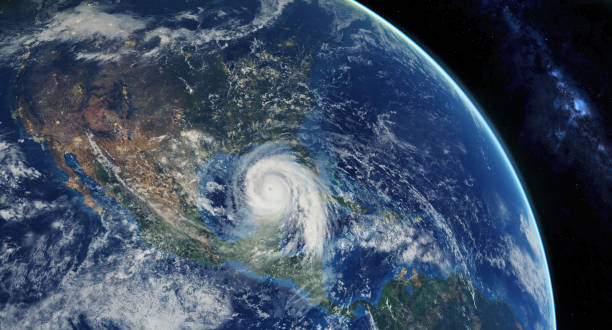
140	130
417	302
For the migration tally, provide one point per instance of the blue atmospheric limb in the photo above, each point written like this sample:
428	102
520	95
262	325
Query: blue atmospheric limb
581	106
394	170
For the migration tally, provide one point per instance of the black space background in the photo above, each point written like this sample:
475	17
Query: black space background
569	186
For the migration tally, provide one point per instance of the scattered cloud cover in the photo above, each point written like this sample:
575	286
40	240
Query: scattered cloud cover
108	31
13	168
14	173
85	22
230	29
413	244
130	285
530	271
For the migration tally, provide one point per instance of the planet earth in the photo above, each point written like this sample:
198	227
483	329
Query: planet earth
250	164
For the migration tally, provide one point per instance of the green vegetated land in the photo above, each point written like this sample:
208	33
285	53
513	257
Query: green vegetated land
420	303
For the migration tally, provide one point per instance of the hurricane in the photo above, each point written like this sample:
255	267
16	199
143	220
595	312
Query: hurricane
267	186
264	163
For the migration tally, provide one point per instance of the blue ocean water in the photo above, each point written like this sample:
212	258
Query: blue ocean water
441	149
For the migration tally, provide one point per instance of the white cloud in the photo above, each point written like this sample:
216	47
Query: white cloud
268	12
14	173
95	23
231	29
86	22
119	282
78	24
126	290
529	229
407	242
13	168
14	208
99	56
189	15
16	204
530	272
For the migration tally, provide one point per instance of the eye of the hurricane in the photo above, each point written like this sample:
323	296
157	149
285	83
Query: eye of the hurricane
266	187
268	192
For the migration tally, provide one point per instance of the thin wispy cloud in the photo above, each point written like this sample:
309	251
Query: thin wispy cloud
109	31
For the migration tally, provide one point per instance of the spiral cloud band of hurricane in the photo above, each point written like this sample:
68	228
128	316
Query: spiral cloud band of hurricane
267	185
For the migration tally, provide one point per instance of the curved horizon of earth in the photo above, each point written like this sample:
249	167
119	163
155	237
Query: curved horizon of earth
257	164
